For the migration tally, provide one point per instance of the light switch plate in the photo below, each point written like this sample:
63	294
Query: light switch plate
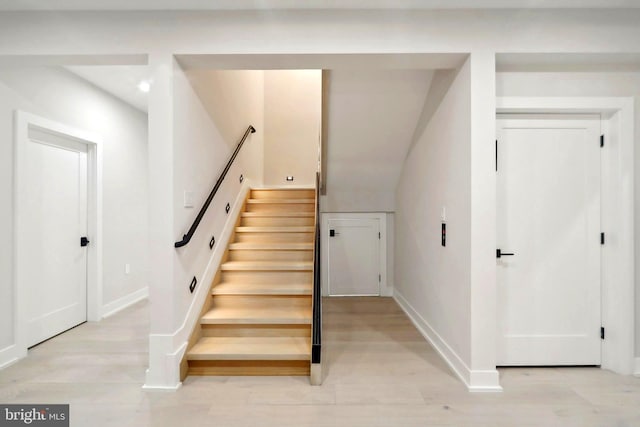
188	199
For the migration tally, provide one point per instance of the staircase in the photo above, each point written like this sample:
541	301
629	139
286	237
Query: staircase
258	319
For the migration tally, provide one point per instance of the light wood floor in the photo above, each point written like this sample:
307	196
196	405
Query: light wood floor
380	373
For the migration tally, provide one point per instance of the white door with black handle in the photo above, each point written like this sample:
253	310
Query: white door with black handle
548	237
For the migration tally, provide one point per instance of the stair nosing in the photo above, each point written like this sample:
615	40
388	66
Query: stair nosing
270	246
269	289
267	266
299	346
280	201
275	229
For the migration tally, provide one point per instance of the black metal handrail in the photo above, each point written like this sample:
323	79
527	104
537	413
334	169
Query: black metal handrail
316	343
187	237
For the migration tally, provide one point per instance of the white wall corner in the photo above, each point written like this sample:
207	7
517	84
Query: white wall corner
126	301
636	371
475	381
10	355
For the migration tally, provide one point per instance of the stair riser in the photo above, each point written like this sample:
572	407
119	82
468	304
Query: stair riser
283	194
239	301
241	255
250	367
267	277
274	237
277	222
256	330
249	289
280	207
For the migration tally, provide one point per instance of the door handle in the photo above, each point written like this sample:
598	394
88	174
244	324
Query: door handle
84	241
500	254
333	233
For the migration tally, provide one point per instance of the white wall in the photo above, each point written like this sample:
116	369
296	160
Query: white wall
59	95
585	84
372	115
433	281
292	117
234	100
208	125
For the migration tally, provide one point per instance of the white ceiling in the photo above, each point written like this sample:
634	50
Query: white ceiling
119	80
15	5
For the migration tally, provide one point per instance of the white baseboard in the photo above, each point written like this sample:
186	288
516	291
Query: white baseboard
476	381
124	302
161	389
636	371
9	356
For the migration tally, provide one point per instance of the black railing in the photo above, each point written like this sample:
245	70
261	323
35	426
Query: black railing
187	237
316	343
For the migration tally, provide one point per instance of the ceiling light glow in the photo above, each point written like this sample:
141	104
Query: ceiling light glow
144	86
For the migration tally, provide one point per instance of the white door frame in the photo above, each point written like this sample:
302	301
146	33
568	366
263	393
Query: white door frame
23	122
385	290
617	200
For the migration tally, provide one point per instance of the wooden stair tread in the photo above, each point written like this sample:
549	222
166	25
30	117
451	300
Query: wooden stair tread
284	189
275	229
262	289
278	201
275	246
267	266
251	348
258	315
278	214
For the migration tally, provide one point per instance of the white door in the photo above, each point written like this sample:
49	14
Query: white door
354	256
548	216
55	213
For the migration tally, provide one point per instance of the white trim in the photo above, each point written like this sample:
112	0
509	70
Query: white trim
22	121
636	371
385	289
166	350
9	356
618	269
172	366
476	381
120	304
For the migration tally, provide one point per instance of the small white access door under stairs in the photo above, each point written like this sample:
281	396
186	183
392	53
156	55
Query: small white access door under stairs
353	266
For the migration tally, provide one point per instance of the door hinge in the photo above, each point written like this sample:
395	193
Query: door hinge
379	278
601	140
602	238
601	332
379	236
